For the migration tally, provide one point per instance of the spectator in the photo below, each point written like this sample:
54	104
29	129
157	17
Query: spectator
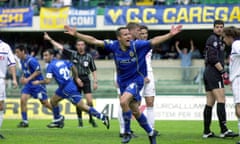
172	53
196	53
159	2
13	3
25	3
186	60
57	4
67	3
36	5
125	2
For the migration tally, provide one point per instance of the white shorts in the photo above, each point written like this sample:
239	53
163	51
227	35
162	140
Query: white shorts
2	89
149	88
236	90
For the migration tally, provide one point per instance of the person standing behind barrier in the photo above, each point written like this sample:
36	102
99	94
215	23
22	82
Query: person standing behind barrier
213	81
7	60
85	65
149	92
31	71
186	60
232	38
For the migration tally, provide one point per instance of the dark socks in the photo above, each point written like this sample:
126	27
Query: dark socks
207	116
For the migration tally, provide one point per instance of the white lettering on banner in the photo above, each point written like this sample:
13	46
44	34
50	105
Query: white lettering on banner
82	12
173	107
82	20
166	108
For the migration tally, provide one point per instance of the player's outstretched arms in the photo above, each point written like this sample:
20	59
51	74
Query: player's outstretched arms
52	41
88	39
159	39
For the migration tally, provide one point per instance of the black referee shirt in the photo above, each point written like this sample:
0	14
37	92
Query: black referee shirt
84	63
214	51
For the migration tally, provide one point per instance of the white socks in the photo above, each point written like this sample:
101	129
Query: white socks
150	116
121	120
1	118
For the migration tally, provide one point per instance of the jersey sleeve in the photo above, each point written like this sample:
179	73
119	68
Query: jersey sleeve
212	50
92	65
11	58
236	48
142	45
109	45
34	65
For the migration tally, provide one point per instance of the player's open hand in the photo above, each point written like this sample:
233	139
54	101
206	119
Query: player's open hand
69	30
146	80
46	36
24	80
175	29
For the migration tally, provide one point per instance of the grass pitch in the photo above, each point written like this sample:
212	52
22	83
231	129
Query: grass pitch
172	132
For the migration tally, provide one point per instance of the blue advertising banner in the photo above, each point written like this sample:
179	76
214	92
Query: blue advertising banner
82	18
16	17
179	14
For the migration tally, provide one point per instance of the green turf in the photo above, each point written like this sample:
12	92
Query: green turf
172	132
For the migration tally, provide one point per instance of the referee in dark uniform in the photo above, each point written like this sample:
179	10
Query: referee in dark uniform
213	80
85	65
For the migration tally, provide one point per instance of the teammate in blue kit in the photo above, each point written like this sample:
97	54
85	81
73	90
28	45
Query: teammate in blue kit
31	71
131	67
60	70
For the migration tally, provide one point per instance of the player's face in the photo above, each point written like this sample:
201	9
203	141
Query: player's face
135	33
124	37
47	57
228	40
80	45
143	34
20	54
218	29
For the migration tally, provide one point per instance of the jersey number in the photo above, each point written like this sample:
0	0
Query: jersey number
65	72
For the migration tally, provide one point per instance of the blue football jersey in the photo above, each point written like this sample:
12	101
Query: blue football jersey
130	64
60	70
29	66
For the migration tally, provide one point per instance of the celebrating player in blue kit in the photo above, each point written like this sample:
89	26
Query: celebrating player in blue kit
131	67
60	70
31	71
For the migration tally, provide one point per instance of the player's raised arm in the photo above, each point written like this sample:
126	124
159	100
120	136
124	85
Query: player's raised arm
159	39
52	41
88	39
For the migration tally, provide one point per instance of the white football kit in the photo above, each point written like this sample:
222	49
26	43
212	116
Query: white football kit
149	88
234	70
6	60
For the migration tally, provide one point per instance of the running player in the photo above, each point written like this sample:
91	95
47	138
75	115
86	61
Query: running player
85	65
232	38
6	61
130	63
31	71
214	70
60	70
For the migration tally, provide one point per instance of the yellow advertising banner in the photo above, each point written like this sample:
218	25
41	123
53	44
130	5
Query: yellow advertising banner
53	18
37	111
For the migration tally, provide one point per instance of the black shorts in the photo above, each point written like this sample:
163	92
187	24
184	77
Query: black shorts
212	79
86	85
